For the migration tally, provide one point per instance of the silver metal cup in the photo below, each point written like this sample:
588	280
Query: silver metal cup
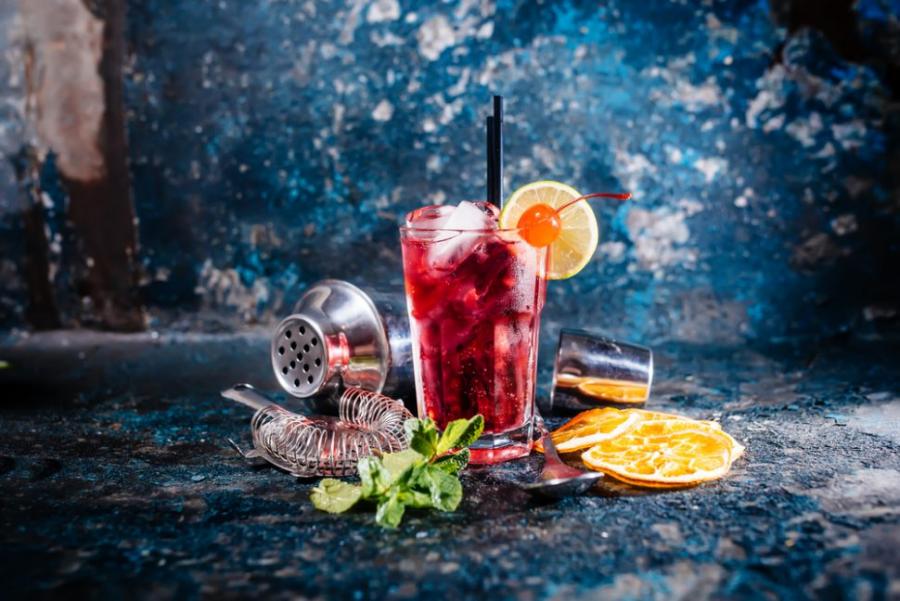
591	371
338	336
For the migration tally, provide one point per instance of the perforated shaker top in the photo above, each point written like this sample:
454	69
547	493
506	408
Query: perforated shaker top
299	357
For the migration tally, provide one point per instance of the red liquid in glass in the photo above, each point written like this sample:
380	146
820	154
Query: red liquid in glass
474	315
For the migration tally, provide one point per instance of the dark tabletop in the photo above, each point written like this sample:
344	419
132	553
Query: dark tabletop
113	486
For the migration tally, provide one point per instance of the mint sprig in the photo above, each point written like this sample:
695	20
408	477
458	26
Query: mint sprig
423	476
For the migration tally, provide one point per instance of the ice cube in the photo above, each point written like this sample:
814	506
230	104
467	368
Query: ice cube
472	216
431	217
491	210
467	217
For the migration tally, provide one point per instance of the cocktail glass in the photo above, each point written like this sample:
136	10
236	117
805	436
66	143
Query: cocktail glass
474	298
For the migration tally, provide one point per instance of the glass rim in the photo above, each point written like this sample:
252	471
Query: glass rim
412	228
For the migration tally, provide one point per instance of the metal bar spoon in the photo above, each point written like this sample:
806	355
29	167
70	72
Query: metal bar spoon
558	480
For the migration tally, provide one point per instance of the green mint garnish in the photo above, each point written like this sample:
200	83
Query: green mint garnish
452	463
422	436
335	496
460	434
390	511
423	476
445	489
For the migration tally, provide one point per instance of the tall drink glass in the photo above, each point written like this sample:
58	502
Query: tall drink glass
474	300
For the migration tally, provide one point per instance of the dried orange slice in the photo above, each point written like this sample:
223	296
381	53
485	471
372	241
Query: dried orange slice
665	453
613	391
647	415
590	427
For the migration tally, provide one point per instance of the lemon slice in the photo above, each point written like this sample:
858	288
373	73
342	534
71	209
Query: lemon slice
579	235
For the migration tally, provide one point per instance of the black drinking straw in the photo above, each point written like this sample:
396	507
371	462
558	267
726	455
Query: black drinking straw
489	153
497	151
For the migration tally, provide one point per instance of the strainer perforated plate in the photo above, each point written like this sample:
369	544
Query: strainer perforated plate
299	356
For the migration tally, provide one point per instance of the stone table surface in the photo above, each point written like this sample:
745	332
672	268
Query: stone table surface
117	481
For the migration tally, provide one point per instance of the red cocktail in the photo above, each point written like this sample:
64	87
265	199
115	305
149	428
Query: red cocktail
474	294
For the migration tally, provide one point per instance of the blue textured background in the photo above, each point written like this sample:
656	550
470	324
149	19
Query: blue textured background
275	143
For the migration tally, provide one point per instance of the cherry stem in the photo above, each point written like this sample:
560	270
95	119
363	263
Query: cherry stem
613	195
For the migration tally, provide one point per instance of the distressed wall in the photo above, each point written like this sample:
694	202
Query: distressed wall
275	143
67	149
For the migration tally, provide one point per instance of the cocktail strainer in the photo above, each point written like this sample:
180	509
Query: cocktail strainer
368	424
340	336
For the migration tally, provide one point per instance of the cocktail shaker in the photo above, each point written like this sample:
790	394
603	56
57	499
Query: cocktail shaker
591	370
338	336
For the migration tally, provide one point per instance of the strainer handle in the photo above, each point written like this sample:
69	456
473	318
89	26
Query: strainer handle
248	395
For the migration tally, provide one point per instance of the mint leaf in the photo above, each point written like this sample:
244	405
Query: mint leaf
415	498
390	512
335	496
460	434
421	476
422	436
453	463
374	477
445	489
400	463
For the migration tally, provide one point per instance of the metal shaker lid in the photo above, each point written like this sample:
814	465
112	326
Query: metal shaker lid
591	370
334	338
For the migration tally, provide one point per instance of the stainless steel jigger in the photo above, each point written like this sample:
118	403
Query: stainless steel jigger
340	336
592	370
